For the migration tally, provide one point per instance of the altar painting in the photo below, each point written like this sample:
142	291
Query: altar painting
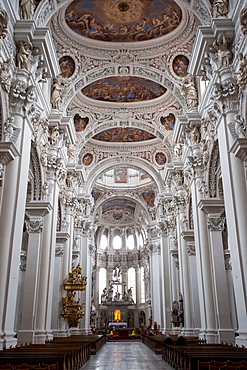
120	134
123	21
119	204
123	89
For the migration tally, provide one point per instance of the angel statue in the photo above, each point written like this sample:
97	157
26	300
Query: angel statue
59	91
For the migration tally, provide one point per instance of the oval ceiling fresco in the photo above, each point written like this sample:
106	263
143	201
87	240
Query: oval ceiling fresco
123	21
121	134
122	89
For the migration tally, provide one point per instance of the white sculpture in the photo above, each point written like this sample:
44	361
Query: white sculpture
219	8
224	53
27	9
242	74
5	77
58	93
24	55
239	126
188	89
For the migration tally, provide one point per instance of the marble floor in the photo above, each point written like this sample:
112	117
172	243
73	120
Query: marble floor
127	356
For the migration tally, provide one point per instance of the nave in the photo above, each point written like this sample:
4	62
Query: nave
126	355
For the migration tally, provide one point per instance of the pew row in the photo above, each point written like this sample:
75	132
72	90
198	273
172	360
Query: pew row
67	356
156	342
95	341
187	356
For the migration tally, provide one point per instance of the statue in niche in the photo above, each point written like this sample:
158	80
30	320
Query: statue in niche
177	150
189	91
5	77
131	319
54	136
219	8
195	135
27	9
130	297
241	74
239	126
224	53
11	131
243	20
104	295
59	91
24	54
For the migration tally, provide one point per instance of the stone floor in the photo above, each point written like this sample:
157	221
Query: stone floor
127	356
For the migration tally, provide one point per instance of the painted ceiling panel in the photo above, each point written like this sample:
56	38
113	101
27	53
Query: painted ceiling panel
119	204
123	89
123	21
121	134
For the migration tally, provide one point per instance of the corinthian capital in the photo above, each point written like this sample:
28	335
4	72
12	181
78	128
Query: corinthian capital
215	223
34	226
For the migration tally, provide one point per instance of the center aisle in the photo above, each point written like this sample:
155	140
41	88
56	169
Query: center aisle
126	355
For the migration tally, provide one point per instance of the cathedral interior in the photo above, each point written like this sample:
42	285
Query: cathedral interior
123	168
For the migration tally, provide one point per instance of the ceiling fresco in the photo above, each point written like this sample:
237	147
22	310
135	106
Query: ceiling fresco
123	89
168	121
118	205
149	197
121	134
123	21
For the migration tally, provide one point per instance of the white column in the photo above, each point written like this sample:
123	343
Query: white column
166	280
58	290
214	208
188	236
138	286
14	191
43	329
35	212
205	283
156	281
235	195
184	268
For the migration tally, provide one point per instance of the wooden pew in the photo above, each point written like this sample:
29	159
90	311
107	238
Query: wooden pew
187	356
95	341
68	356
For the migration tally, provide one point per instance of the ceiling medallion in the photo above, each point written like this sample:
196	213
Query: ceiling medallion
123	6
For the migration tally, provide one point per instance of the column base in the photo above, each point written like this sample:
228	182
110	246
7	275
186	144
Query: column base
40	337
25	337
241	339
75	331
62	333
176	331
211	336
9	340
226	336
188	332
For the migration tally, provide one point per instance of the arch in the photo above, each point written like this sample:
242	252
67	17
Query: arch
135	163
99	126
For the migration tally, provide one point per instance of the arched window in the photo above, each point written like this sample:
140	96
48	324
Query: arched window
141	243
131	242
117	242
103	242
132	283
102	282
142	294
